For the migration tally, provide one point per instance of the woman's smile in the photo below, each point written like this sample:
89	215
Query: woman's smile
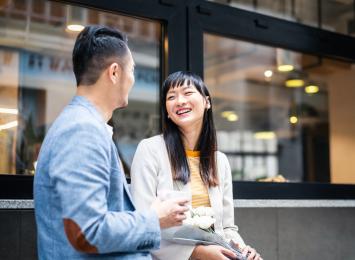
182	112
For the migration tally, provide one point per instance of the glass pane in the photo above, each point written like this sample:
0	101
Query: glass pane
36	78
332	15
271	108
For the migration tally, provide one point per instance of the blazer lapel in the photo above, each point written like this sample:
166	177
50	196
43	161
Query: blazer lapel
125	184
215	201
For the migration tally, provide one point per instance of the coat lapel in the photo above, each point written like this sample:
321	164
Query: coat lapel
125	184
217	205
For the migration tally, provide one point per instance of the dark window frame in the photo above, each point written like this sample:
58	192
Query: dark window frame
183	24
244	25
208	17
172	16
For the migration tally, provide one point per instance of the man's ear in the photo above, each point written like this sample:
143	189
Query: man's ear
114	72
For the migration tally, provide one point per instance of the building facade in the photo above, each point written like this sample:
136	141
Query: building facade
281	76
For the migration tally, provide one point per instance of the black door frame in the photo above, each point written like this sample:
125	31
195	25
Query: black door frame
183	24
171	14
208	17
173	56
204	16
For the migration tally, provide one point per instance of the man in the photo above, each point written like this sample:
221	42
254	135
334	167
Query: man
82	204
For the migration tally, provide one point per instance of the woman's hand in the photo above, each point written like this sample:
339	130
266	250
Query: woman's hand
212	252
249	252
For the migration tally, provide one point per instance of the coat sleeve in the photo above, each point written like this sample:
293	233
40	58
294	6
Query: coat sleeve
145	174
80	170
229	228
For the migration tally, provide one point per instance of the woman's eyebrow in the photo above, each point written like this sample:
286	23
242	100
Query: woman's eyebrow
186	87
173	91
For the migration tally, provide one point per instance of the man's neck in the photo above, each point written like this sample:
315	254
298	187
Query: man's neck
97	99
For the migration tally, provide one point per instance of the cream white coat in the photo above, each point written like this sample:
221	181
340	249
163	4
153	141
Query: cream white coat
151	173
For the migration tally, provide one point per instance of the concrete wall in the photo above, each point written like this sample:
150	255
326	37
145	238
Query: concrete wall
17	235
278	234
299	233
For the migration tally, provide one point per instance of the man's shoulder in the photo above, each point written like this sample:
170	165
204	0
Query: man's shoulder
76	120
76	115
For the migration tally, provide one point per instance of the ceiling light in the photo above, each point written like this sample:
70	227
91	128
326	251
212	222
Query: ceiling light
294	83
75	27
12	111
293	119
76	18
232	117
266	135
268	73
287	60
311	89
227	113
8	125
285	68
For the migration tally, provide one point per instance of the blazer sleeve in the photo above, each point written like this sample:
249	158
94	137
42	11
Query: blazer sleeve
145	171
229	228
80	168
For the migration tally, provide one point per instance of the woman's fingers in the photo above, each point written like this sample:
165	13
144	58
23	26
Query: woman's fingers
246	250
252	254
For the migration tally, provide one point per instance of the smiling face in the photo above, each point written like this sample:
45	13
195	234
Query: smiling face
186	106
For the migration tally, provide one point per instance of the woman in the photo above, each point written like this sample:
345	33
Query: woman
185	158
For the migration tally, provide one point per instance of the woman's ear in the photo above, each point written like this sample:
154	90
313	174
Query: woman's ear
208	103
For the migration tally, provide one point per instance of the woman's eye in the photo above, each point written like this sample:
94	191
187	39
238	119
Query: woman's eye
189	93
170	98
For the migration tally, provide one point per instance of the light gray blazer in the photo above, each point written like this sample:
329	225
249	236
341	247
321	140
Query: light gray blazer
83	207
151	172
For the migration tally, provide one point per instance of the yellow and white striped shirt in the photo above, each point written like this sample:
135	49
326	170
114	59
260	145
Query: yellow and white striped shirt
199	190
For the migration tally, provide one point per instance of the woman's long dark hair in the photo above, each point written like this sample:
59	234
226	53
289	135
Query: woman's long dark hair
207	143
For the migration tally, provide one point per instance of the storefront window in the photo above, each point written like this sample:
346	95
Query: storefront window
335	16
36	78
274	109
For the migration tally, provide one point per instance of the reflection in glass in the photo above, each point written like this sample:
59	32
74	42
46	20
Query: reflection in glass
336	16
271	121
36	78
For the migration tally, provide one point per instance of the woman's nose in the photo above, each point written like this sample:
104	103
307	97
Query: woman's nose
181	99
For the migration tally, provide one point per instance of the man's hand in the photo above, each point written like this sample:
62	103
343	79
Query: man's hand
170	212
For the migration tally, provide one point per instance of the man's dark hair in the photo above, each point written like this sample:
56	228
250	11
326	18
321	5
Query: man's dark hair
96	47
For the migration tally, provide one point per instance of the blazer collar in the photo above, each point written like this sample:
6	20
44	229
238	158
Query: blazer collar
83	101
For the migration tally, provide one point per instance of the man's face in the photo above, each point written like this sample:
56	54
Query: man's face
126	81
